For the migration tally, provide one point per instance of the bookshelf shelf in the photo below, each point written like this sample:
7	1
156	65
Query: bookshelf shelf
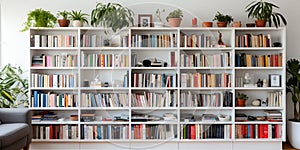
200	81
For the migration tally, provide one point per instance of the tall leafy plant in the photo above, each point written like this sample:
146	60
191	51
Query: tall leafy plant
293	85
13	87
112	15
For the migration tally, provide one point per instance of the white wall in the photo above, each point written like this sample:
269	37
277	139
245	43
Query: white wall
14	44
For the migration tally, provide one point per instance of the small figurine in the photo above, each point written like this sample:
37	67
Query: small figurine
220	42
265	83
259	83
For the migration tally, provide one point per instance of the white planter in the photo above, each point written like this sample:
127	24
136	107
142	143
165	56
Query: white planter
77	23
293	130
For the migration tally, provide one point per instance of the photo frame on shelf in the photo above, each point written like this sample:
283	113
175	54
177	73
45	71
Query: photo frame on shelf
275	80
145	20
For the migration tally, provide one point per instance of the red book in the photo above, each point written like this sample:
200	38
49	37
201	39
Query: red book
276	60
51	134
173	63
265	131
192	132
251	131
260	131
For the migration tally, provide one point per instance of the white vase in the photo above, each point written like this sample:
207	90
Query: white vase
293	130
77	23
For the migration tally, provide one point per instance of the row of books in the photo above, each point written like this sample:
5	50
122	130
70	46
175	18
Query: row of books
154	99
154	40
63	60
37	40
99	132
274	99
153	80
250	60
251	40
214	99
205	60
205	80
194	40
256	131
54	80
153	131
205	131
104	60
104	100
49	99
61	131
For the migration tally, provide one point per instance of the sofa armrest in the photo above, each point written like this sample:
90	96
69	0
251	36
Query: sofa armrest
15	115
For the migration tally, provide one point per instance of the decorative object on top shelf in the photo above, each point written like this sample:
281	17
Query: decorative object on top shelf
112	15
158	14
263	12
145	20
222	19
248	80
174	18
293	87
78	18
250	24
259	83
207	24
237	24
64	22
39	18
13	87
241	99
194	22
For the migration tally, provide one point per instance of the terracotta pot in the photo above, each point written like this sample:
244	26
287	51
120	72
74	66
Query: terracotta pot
222	24
194	22
63	23
237	24
260	23
207	24
241	102
77	23
174	22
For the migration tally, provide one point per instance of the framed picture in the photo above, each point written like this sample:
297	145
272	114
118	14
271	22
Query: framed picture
145	20
275	80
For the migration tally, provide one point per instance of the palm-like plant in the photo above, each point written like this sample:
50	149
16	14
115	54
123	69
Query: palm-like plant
13	87
293	84
78	15
262	10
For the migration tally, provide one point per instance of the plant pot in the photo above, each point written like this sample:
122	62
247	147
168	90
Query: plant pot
260	23
207	24
241	102
237	24
77	23
194	22
63	23
174	22
250	25
293	130
222	24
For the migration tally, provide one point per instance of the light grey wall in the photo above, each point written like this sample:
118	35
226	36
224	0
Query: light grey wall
14	44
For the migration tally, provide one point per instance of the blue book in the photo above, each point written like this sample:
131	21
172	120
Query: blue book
99	132
35	99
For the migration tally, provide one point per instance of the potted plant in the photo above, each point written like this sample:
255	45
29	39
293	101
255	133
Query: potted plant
112	15
78	18
263	12
241	99
158	13
39	18
174	18
293	87
222	19
13	87
64	22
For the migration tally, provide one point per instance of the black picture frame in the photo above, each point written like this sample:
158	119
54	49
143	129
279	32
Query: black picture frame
275	80
145	20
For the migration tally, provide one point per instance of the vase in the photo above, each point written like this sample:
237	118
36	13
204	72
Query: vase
237	24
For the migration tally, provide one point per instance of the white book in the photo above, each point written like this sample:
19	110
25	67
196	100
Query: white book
36	40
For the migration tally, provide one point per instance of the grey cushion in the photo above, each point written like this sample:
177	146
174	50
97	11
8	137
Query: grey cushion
10	133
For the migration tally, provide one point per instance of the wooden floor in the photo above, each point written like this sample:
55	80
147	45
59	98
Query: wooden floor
287	146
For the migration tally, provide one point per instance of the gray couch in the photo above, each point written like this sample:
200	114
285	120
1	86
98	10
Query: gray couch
15	128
